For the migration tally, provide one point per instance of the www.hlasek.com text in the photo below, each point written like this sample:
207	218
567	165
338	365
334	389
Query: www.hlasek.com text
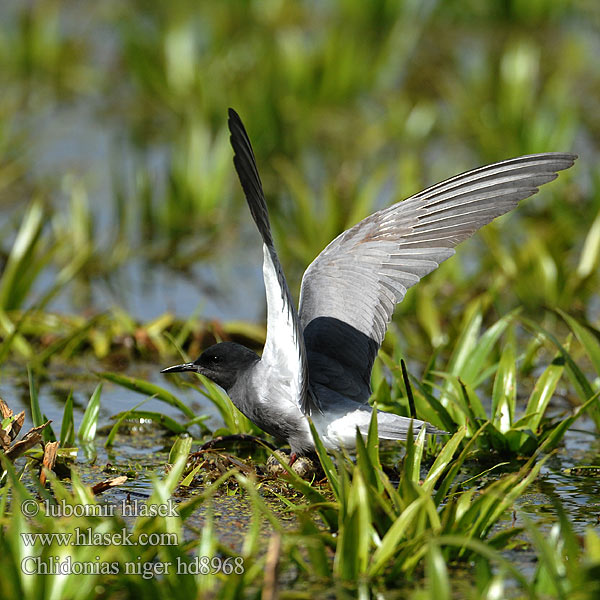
89	537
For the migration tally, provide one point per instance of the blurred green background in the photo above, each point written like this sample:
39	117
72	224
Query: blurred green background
124	236
116	170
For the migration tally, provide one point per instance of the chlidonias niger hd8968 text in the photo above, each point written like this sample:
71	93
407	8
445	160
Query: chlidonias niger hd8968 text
317	361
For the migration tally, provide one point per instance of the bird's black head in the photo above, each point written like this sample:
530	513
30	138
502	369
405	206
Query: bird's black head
222	363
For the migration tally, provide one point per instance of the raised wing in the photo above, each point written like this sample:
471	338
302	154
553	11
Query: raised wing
349	291
284	349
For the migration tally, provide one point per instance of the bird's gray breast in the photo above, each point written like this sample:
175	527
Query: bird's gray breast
265	397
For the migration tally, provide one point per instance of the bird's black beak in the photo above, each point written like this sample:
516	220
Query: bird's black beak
181	368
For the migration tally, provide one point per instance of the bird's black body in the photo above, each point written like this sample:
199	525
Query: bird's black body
317	361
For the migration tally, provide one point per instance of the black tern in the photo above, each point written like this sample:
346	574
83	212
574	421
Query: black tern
317	361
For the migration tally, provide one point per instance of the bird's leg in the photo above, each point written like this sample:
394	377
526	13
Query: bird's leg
293	458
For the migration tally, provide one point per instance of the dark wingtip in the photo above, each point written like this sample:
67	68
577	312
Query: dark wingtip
233	117
570	156
245	165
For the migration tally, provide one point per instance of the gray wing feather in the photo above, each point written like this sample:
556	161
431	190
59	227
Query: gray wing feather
350	290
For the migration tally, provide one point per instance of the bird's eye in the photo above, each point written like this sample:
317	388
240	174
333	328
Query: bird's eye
215	358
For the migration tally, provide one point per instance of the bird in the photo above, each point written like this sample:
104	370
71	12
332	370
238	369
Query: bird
317	360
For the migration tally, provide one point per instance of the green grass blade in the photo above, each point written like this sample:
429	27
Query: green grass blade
180	449
450	477
490	553
120	418
470	352
443	460
471	404
373	440
414	454
67	428
542	392
326	462
456	400
587	339
354	536
148	389
394	535
87	429
590	253
496	498
73	340
17	274
369	470
580	383
466	342
36	413
504	393
556	435
161	419
447	422
437	574
550	563
14	340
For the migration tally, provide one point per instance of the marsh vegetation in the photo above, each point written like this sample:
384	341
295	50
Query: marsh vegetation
127	245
